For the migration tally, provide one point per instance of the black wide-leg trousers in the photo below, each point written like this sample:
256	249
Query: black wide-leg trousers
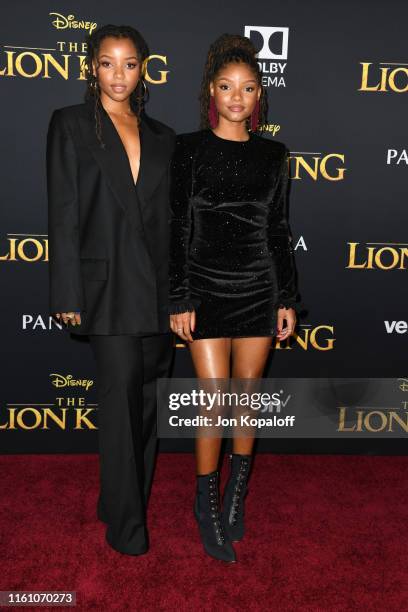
127	371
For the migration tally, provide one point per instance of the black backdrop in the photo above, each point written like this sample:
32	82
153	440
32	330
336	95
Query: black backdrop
337	96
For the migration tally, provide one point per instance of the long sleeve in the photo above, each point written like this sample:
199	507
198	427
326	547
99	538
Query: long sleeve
63	219
181	185
280	238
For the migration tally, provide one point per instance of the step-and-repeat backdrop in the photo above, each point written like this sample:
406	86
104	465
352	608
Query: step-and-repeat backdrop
337	80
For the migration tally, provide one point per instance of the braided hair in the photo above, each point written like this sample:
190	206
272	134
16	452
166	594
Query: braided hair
226	49
139	95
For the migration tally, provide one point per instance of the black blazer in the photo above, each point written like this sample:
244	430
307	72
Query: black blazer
108	239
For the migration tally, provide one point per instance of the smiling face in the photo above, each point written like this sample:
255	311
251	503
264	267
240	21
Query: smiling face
117	67
236	91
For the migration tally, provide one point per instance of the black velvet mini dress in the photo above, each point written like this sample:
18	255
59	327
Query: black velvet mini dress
231	253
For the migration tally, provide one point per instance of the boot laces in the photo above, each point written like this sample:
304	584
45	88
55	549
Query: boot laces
236	505
215	512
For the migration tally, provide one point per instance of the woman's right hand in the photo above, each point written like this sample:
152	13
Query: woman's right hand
183	324
73	317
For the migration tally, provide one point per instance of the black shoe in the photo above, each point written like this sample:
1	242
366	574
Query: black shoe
233	511
208	516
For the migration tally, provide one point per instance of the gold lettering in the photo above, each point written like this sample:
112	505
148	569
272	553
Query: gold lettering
11	255
10	66
35	412
392	83
82	68
300	161
49	413
395	417
37	62
11	422
364	79
310	337
63	70
80	417
367	421
352	257
380	264
324	172
329	341
21	253
163	73
342	419
61	23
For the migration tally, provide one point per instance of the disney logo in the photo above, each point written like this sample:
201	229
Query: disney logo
62	23
404	384
69	381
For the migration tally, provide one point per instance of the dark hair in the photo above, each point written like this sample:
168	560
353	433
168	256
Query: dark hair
226	49
139	96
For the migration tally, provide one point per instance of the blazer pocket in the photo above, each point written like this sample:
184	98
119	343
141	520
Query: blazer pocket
94	269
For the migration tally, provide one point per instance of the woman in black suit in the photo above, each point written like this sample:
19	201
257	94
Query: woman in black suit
107	170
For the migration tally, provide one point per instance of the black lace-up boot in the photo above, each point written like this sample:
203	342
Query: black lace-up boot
208	516
233	511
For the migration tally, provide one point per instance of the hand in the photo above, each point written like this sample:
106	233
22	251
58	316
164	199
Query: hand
288	314
69	317
183	324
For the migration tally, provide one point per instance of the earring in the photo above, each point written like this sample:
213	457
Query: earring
255	117
143	95
94	83
213	113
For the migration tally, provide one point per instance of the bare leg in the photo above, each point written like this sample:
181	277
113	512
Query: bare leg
211	359
249	356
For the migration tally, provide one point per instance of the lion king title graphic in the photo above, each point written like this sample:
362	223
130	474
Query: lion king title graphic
308	337
391	77
29	248
316	165
66	59
392	419
377	256
67	412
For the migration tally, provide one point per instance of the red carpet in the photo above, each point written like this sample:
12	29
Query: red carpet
325	533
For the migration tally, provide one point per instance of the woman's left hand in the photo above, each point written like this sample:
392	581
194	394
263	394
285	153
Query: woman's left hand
288	314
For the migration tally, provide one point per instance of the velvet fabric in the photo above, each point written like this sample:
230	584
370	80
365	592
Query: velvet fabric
231	253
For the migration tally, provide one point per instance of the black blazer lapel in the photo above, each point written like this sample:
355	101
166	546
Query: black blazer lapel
113	161
155	156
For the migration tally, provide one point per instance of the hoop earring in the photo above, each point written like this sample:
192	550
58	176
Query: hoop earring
213	113
255	117
145	92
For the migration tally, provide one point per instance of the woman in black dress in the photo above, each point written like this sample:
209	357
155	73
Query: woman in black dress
107	170
233	280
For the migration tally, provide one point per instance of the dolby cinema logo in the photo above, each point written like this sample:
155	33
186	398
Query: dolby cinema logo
272	42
